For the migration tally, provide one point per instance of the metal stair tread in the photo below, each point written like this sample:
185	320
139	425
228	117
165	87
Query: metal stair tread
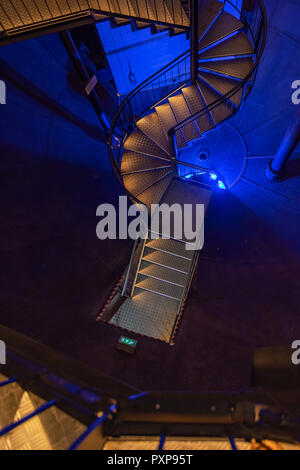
220	112
182	112
137	183
207	15
196	103
225	25
139	288
166	117
178	13
161	273
133	162
222	85
236	45
179	107
20	14
167	260
150	126
138	142
170	246
236	68
154	194
156	315
159	287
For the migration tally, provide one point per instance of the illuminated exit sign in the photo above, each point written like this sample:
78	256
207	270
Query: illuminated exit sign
126	344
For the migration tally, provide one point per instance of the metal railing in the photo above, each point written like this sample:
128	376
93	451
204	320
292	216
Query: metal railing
140	101
253	15
174	76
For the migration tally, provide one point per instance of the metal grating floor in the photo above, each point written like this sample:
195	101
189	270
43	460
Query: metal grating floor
145	313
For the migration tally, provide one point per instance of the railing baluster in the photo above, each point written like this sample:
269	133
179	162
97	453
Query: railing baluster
161	442
165	11
165	82
93	426
28	12
49	9
148	15
156	10
16	12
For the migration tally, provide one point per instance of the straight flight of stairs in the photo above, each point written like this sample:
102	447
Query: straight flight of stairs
19	17
163	275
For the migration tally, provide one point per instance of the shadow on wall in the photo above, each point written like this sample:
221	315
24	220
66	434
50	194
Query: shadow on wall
235	232
11	76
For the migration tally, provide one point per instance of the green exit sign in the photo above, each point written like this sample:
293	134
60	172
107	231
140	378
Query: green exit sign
126	344
130	342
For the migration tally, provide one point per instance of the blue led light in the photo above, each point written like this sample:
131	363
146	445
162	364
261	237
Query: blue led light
221	185
188	176
213	176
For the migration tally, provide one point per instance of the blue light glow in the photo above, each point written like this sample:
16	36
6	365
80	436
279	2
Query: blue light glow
213	176
221	185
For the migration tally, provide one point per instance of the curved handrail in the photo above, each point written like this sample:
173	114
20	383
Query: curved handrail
143	84
259	48
235	89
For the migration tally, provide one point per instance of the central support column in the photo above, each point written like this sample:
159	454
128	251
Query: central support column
274	171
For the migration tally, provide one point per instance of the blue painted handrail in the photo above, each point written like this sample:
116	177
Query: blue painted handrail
9	381
39	410
138	395
93	426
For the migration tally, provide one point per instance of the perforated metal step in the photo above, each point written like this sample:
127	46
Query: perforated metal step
182	112
169	261
160	11
170	246
17	15
177	12
159	287
166	117
139	182
224	26
196	103
160	272
235	68
138	142
222	85
148	314
179	107
236	45
223	110
154	194
134	162
208	12
150	125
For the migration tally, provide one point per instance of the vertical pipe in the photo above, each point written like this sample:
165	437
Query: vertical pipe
80	67
275	169
194	39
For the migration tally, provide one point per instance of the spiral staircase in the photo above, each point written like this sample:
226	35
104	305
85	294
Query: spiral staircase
184	101
178	105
